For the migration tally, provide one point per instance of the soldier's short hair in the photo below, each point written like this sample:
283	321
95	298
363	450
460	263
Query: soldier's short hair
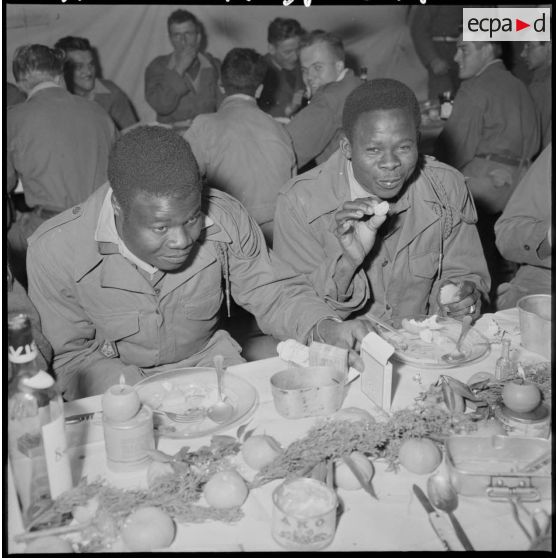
334	43
37	59
153	160
183	16
379	94
281	29
242	71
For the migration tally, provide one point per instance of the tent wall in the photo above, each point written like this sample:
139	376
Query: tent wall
128	37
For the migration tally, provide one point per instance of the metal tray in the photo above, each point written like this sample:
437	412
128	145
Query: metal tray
490	466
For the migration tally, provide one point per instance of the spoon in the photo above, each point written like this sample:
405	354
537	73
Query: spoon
456	355
222	410
444	497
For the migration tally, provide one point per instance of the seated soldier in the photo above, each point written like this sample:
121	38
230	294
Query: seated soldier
538	57
523	234
80	73
327	228
240	149
130	281
283	88
185	83
315	130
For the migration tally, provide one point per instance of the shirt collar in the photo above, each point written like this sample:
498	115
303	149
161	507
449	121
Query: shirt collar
106	232
242	96
98	89
495	61
42	85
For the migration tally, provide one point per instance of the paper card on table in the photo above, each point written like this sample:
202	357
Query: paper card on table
322	354
375	381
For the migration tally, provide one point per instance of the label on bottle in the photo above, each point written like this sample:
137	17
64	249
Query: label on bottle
57	459
445	110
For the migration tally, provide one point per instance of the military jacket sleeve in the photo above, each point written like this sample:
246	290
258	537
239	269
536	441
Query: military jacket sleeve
525	221
283	302
297	242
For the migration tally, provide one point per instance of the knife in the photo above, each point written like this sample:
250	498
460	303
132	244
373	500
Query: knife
81	417
433	515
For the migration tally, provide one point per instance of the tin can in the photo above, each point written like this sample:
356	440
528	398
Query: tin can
126	442
535	424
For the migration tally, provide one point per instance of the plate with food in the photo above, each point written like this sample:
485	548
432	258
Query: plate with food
194	391
422	340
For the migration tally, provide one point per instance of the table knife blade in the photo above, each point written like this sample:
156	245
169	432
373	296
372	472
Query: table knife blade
80	417
433	515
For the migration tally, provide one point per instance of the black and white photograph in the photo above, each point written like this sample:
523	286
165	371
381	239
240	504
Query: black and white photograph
279	276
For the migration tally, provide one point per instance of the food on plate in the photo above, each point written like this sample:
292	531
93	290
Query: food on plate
148	528
450	292
521	396
416	326
345	478
419	455
353	414
260	450
177	396
226	489
382	208
48	545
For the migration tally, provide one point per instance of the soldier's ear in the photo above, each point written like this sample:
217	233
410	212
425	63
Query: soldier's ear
345	146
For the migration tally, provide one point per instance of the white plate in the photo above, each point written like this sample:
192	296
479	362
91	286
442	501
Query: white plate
184	388
429	355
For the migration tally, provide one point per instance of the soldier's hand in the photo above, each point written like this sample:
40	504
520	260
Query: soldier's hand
357	224
184	58
347	335
467	300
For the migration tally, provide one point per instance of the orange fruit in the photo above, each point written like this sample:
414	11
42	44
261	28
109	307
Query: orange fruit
148	528
520	396
345	478
225	489
260	450
419	455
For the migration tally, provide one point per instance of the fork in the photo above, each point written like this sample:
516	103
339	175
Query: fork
193	415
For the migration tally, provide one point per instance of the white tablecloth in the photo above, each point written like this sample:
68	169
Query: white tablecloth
395	522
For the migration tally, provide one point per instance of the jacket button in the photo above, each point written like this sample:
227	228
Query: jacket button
527	247
388	307
384	263
157	291
76	209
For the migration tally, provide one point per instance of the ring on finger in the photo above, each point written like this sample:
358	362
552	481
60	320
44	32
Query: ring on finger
472	309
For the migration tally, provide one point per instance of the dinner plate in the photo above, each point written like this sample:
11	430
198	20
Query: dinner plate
428	354
181	389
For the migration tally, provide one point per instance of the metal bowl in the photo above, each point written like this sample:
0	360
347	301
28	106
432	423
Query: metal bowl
308	392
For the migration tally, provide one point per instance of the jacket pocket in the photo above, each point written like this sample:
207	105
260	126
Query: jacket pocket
424	265
114	327
205	308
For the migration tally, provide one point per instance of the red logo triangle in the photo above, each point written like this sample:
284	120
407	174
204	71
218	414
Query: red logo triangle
519	25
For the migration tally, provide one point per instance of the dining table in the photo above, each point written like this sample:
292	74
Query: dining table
395	521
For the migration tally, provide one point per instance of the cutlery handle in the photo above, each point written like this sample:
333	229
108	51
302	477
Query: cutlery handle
461	535
465	327
218	362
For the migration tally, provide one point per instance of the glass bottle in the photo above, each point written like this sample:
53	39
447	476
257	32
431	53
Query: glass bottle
505	367
36	436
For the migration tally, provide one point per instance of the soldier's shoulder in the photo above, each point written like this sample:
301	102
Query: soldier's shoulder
47	230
